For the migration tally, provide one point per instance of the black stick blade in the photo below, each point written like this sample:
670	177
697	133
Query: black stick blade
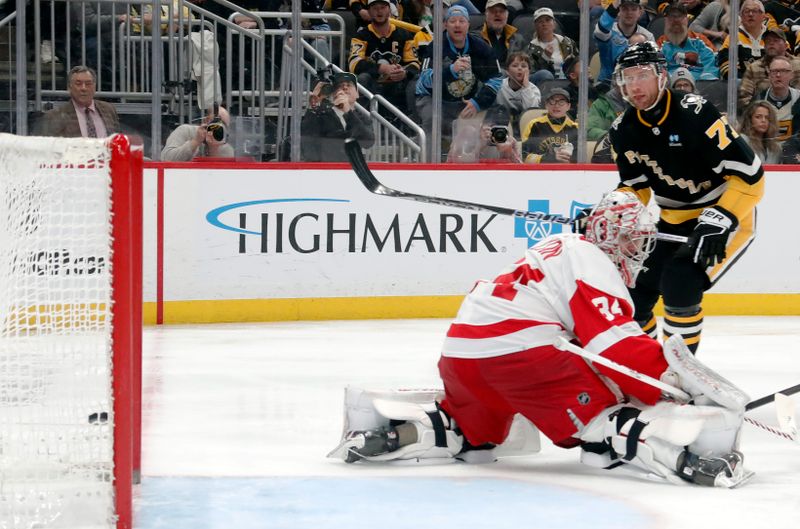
359	163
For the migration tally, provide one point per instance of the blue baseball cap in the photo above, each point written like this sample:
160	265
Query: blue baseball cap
456	11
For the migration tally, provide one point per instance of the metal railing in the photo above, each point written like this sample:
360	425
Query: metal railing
392	144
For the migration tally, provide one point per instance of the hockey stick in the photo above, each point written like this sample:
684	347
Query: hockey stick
362	170
785	415
769	398
562	344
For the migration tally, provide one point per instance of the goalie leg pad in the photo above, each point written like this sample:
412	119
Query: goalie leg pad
653	438
371	417
701	381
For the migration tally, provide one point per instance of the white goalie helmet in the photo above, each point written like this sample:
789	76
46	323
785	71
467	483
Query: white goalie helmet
625	230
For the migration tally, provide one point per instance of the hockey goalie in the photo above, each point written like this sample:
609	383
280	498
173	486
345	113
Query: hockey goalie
498	363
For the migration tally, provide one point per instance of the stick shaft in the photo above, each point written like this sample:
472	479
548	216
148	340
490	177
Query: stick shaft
362	170
564	345
769	398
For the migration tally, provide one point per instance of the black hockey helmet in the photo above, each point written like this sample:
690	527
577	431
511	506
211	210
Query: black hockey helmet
642	54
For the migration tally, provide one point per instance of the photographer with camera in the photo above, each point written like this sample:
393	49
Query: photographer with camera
208	140
332	117
489	140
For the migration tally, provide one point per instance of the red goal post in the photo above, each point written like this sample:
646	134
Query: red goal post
70	331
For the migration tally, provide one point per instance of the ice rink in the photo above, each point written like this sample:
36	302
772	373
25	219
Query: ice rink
238	418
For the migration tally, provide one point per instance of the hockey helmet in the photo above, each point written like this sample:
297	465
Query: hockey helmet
625	230
643	55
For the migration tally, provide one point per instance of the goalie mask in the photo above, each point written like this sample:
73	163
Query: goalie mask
640	69
623	228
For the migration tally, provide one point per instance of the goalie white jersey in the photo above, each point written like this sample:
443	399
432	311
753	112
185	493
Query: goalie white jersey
563	286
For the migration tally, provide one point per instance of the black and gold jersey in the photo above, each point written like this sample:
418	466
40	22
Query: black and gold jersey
368	50
544	135
687	155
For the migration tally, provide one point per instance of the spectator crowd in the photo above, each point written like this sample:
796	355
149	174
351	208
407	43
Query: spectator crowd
510	76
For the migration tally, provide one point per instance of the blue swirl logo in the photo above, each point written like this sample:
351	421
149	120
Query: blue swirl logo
213	216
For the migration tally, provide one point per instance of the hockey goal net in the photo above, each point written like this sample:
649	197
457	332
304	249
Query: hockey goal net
69	330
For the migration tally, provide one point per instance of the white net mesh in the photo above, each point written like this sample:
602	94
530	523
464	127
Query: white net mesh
56	416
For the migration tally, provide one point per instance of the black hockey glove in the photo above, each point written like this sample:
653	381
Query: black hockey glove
580	220
706	244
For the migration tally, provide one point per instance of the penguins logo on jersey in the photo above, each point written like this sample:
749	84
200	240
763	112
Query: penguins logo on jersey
693	100
385	57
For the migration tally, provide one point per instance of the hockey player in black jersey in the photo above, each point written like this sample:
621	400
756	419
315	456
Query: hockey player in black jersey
678	149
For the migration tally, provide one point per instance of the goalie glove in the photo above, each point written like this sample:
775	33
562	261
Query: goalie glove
706	244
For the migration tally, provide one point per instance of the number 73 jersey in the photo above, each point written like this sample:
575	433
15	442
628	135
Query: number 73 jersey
684	151
563	286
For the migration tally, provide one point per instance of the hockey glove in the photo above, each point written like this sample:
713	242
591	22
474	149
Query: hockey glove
581	219
707	242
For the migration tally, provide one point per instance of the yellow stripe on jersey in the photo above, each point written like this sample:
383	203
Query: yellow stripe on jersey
740	197
643	194
679	216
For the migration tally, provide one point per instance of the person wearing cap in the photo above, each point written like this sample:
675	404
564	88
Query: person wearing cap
549	50
360	8
682	80
551	138
325	127
693	7
498	33
685	49
755	76
618	22
384	56
750	38
470	75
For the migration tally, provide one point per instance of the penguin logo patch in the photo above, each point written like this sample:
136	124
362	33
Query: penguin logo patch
584	398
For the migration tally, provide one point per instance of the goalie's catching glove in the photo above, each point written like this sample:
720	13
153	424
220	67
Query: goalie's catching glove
706	244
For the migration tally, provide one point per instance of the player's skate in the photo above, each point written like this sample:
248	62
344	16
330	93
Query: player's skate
369	443
727	471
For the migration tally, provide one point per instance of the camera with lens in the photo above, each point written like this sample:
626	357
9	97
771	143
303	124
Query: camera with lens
498	134
325	77
218	129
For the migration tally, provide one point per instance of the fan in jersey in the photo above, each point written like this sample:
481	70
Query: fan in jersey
384	57
706	179
498	360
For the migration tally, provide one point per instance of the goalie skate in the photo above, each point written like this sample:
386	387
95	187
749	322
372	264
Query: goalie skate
726	472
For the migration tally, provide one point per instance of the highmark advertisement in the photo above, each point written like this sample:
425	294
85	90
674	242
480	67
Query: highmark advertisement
245	234
256	241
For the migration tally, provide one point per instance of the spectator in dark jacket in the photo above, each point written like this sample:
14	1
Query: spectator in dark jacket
334	119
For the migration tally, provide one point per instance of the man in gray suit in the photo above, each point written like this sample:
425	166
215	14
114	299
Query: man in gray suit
82	115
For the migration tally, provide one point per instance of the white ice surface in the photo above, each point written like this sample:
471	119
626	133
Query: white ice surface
264	401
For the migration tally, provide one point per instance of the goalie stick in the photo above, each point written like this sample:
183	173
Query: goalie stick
769	398
362	170
785	412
